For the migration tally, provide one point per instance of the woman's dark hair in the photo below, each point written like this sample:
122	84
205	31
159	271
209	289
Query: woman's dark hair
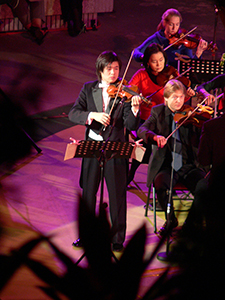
152	49
104	59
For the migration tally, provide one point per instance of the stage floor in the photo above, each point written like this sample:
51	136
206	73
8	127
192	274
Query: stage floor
39	194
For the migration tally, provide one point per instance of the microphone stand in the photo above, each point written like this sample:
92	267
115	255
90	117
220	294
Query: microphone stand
214	34
163	256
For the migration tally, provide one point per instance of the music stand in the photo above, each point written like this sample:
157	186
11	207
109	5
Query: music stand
102	151
201	70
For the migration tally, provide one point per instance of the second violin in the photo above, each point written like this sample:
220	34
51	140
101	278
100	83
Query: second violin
171	73
189	40
195	117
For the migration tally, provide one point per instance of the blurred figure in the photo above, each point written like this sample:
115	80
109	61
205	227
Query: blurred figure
72	14
31	14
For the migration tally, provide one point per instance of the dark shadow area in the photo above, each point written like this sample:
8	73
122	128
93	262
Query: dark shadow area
51	121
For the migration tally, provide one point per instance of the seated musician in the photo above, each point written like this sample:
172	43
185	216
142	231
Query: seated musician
216	82
211	153
155	131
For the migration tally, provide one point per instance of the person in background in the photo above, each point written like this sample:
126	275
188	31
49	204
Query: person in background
72	14
91	109
155	131
167	28
31	14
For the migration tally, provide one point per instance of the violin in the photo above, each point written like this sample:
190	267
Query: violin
197	118
171	73
126	90
190	41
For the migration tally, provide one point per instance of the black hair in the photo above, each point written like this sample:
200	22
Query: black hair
152	49
104	59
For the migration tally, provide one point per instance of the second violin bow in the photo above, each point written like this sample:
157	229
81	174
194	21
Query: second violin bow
203	101
183	36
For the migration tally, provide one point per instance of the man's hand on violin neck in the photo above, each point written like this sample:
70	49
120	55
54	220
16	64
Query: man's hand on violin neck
101	117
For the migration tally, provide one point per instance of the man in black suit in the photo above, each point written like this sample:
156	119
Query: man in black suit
183	161
91	109
212	143
211	154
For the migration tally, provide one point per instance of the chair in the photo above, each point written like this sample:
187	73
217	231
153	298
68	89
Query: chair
178	188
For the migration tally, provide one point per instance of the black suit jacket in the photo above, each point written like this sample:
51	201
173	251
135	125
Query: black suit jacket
212	143
90	100
160	123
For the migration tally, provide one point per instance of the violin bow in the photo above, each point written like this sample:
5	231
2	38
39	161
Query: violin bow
183	36
203	101
121	82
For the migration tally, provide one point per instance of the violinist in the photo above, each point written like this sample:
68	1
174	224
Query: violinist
168	28
91	109
205	88
210	190
148	80
155	131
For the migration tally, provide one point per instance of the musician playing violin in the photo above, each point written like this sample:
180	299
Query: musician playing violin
147	80
206	87
155	131
167	28
91	109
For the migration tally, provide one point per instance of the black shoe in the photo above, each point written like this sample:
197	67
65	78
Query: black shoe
38	34
174	224
77	243
117	247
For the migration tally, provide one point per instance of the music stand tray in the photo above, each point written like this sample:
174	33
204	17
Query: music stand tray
201	70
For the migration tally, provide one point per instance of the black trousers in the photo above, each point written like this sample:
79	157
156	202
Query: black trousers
115	174
72	11
189	176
